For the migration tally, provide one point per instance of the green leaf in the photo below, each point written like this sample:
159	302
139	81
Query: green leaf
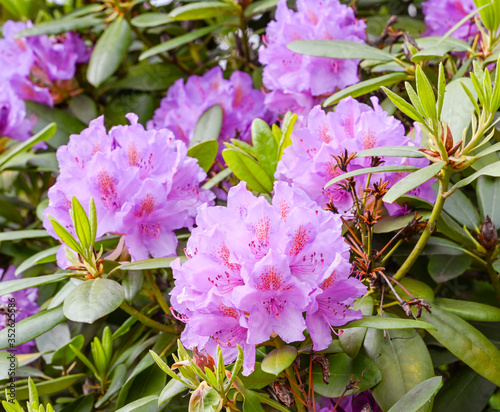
465	390
203	10
443	268
351	339
460	207
84	108
251	402
412	181
379	322
219	177
404	106
132	284
43	135
403	360
495	148
418	396
65	236
391	151
93	299
488	196
49	387
365	87
11	286
279	359
9	363
471	311
339	49
62	25
81	224
441	90
426	94
179	41
23	234
378	169
259	7
109	51
205	153
392	223
64	355
66	124
246	168
208	125
146	404
158	263
342	368
142	104
173	388
119	376
151	20
32	327
465	342
82	404
258	379
149	77
418	289
265	146
92	219
490	170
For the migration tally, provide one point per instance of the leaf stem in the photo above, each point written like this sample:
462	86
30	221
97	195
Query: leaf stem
145	320
157	292
431	223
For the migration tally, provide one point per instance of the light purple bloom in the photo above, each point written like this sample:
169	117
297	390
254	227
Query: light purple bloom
143	183
13	121
180	110
255	269
297	82
442	15
308	162
25	306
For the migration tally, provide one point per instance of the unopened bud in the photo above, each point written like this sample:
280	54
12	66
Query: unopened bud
203	360
447	138
489	233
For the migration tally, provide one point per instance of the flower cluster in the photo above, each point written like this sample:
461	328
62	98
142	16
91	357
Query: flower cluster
296	82
24	303
180	110
442	15
255	268
309	163
143	183
37	68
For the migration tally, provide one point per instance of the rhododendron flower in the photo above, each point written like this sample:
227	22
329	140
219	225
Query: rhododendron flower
35	65
143	183
308	162
181	109
254	269
25	305
13	121
442	15
297	82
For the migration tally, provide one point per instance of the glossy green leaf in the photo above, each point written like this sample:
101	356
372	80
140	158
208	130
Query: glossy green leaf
391	151
64	355
149	77
418	289
208	126
490	170
403	360
172	389
93	299
465	390
32	327
418	396
151	20
392	223
178	41
62	25
23	234
465	342
494	148
82	404
109	52
9	364
49	387
203	10
378	169
247	169
443	268
279	359
81	223
258	378
119	377
83	107
339	49
11	286
379	322
146	404
205	153
403	105
365	87
351	340
65	236
265	145
132	284
142	104
426	94
412	181
41	136
342	368
470	311
251	401
460	207
488	196
149	382
258	7
158	263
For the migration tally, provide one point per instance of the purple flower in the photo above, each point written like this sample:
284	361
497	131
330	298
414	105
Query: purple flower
255	269
352	403
442	15
180	110
13	121
297	82
25	306
143	183
308	162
